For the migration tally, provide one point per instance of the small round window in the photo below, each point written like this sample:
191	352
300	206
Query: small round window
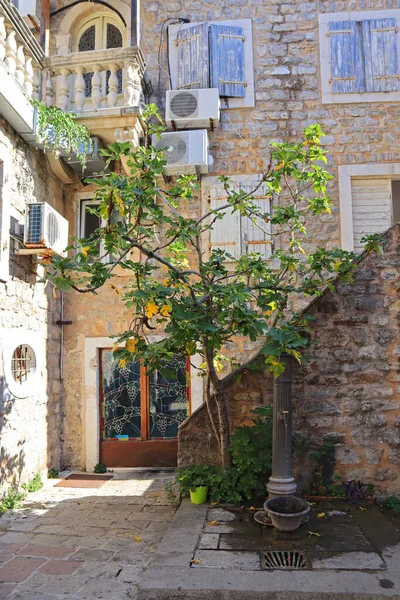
23	364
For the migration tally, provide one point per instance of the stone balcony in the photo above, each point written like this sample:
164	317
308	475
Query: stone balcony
21	63
104	88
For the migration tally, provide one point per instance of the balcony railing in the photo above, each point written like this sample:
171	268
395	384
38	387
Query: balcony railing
84	82
20	53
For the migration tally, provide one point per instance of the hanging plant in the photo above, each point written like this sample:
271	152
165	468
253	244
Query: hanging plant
58	131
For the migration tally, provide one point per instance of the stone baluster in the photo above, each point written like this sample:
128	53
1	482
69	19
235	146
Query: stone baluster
11	52
49	91
96	87
79	88
36	84
131	84
20	68
3	36
113	86
63	96
28	79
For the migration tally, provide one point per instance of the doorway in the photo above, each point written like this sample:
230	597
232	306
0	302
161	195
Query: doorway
140	412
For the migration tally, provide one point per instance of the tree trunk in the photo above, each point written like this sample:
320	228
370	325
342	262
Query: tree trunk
223	422
219	397
211	416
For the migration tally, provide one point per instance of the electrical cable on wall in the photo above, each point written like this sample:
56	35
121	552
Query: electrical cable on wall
170	21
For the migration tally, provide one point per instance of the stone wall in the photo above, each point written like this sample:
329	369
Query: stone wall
351	385
287	92
29	427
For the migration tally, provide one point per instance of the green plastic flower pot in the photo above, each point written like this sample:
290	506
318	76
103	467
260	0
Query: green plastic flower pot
199	495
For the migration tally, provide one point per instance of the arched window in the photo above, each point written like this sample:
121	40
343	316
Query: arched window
101	32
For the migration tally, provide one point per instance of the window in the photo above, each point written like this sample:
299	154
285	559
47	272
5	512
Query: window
362	53
234	233
369	201
139	406
88	221
23	357
99	33
214	54
23	364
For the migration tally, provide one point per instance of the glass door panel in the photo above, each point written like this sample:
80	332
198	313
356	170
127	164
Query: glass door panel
168	399
121	406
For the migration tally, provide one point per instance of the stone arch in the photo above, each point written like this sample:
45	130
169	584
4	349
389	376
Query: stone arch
76	14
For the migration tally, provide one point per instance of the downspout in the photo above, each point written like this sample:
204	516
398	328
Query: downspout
62	338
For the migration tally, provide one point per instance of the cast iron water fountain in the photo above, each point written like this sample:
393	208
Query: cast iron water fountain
283	509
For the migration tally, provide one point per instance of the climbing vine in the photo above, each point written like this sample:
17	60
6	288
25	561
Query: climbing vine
59	131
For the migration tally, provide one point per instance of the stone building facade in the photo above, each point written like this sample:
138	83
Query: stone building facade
30	419
291	81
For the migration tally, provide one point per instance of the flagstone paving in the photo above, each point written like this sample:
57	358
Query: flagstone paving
84	543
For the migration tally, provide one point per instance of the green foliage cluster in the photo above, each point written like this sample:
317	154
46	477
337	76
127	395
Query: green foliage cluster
34	484
60	131
53	474
323	481
13	499
100	468
392	502
251	451
194	476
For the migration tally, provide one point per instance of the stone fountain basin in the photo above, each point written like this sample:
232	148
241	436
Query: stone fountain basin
287	512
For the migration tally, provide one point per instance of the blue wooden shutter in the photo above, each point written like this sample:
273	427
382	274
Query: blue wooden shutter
347	68
380	51
193	57
227	60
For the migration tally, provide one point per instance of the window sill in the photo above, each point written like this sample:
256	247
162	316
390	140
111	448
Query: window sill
366	97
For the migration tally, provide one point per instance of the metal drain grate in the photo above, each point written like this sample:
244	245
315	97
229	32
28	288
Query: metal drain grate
285	559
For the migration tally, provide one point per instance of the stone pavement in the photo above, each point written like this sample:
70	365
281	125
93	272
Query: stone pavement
84	543
219	553
125	541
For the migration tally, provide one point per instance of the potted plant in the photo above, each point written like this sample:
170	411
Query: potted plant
194	481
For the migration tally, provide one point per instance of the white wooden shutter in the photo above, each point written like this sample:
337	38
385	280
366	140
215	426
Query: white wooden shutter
380	50
372	208
226	231
193	57
347	68
255	233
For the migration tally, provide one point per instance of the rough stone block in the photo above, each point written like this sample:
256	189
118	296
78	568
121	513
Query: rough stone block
221	559
347	456
393	457
373	455
385	475
209	541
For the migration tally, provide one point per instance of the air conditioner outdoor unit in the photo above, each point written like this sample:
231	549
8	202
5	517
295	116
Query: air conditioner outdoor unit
193	109
185	151
94	162
45	228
